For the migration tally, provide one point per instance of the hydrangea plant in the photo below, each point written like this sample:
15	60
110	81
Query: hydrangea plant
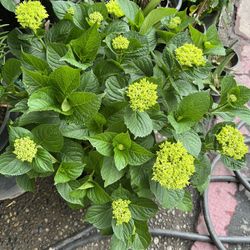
94	91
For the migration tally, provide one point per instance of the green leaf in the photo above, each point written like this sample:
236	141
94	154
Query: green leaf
34	63
87	45
168	198
54	52
142	237
98	195
109	172
233	164
120	158
103	143
61	7
84	104
34	80
66	79
197	37
10	165
117	244
129	8
89	82
68	171
154	17
99	215
71	151
143	209
123	232
10	5
48	136
138	155
139	67
64	189
18	132
180	126
42	163
44	99
11	70
202	172
186	205
194	106
139	123
72	130
116	26
191	141
25	183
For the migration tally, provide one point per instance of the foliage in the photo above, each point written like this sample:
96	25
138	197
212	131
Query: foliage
92	91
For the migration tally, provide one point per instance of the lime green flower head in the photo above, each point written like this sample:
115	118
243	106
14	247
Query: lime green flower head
95	17
189	55
142	94
71	11
30	14
25	149
174	166
120	43
114	8
232	142
174	22
121	211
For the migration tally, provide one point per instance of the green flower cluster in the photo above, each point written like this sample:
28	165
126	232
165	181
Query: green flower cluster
174	22
25	149
120	43
114	8
142	94
174	166
31	14
121	211
232	142
189	55
95	17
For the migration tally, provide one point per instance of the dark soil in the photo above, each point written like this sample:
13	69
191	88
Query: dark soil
2	114
37	221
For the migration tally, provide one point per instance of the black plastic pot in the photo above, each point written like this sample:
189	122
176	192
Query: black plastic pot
8	186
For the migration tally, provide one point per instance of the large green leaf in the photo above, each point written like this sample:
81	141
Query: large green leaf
61	7
84	104
44	99
191	141
54	52
168	198
10	165
194	106
99	215
25	183
123	232
42	163
143	209
103	143
109	172
200	178
138	155
98	195
154	17
87	45
129	8
139	123
64	189
142	237
9	4
72	151
48	136
18	132
68	171
11	70
34	63
72	130
66	79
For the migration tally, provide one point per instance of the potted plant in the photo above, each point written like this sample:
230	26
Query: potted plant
99	84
